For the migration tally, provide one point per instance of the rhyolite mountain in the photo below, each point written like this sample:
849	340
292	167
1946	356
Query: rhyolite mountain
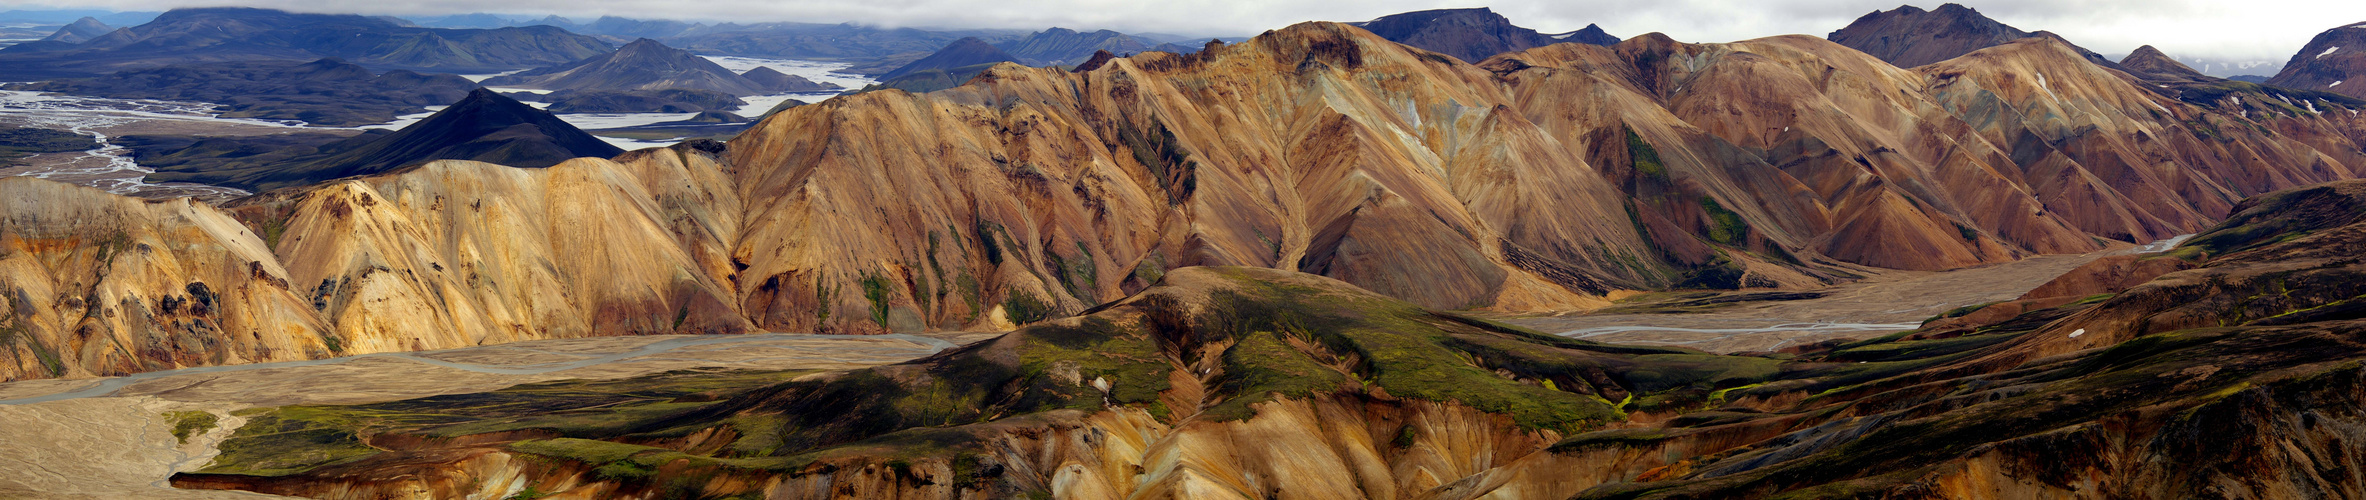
483	126
1062	46
2152	65
1471	34
326	92
2333	61
643	64
196	35
1909	36
82	30
2225	368
1539	180
774	81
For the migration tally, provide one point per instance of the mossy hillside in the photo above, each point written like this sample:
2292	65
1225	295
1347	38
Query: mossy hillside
188	424
294	439
2172	379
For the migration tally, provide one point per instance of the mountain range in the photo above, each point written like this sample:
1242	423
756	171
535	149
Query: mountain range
643	64
2329	61
326	92
196	35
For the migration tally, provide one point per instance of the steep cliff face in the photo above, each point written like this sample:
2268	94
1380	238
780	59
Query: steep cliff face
99	284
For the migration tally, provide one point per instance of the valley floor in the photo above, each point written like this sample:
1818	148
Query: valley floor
1885	303
121	443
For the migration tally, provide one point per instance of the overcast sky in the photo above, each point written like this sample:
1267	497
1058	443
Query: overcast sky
2209	29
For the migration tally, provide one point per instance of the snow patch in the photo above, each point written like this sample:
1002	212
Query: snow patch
2336	83
1564	36
2327	52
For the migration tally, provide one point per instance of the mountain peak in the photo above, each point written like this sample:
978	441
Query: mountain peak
82	30
2152	65
1471	35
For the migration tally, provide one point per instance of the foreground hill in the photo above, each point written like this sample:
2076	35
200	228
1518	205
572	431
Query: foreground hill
195	35
2223	369
1535	181
327	92
2333	61
643	64
483	126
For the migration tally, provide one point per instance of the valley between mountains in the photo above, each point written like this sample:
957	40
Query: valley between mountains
1315	263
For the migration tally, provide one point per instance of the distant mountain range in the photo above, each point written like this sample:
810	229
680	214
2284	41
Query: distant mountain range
643	64
483	126
226	34
327	92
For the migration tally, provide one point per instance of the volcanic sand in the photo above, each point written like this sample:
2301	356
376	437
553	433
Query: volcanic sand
1884	303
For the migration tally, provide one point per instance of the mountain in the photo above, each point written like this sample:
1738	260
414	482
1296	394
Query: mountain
327	92
1541	180
2151	65
82	30
1909	36
2226	367
2330	60
1469	34
1061	46
185	36
1591	34
825	42
643	64
773	82
484	126
966	52
640	101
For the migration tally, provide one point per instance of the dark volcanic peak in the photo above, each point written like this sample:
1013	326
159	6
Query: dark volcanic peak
484	126
965	52
1472	35
1592	34
1909	36
186	36
2334	61
643	64
82	30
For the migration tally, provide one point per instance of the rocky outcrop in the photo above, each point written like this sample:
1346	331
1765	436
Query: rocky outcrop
643	64
99	284
2333	61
